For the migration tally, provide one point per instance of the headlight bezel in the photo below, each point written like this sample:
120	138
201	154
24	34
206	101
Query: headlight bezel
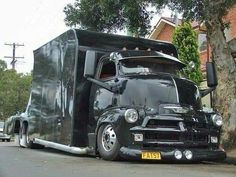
131	115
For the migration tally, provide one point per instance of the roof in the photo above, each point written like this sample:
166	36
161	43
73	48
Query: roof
111	42
170	21
173	20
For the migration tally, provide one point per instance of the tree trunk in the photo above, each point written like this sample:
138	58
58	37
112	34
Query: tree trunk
225	100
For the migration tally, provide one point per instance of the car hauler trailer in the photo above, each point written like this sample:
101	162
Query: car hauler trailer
117	96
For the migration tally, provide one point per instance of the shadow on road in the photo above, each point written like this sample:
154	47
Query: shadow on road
229	160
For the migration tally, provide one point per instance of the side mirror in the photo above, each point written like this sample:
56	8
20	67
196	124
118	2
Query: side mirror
90	63
211	75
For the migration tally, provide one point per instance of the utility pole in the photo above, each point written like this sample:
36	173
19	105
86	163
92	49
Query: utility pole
13	57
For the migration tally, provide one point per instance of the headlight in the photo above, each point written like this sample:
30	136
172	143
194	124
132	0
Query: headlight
131	115
217	120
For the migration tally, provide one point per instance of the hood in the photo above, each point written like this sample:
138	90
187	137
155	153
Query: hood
153	90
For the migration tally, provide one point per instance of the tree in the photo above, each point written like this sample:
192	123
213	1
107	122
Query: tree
109	15
3	66
14	91
185	39
211	12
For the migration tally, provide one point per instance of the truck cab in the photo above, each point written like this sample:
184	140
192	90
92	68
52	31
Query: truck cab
144	110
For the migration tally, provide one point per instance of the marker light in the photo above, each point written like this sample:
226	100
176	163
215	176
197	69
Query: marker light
138	137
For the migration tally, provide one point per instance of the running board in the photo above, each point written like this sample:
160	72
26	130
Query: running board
70	149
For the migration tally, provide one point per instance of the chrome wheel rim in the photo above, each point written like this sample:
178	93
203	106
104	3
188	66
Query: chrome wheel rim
108	138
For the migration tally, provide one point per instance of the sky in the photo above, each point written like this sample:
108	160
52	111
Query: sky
32	23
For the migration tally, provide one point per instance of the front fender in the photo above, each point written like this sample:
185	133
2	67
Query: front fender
115	117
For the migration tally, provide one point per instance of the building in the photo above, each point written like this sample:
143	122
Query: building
165	28
231	32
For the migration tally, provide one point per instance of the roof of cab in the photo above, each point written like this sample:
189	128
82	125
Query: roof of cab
113	42
118	42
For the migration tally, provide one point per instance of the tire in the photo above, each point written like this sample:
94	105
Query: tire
24	140
30	144
107	143
8	140
22	137
17	139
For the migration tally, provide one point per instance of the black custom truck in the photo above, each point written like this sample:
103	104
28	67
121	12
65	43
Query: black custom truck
117	97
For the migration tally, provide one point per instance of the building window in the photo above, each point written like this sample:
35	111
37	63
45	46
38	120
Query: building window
202	42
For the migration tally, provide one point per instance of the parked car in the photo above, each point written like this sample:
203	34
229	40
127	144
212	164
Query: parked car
3	136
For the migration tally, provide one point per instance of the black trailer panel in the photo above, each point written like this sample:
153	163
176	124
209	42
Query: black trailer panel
53	87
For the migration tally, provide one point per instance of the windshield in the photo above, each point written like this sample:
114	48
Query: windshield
146	65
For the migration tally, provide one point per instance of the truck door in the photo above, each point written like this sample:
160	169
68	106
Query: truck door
101	98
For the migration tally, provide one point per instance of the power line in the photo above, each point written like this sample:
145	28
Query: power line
13	57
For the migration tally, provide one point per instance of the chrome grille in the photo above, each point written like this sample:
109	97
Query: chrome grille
162	136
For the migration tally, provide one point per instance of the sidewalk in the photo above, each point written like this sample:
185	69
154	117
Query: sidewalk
231	157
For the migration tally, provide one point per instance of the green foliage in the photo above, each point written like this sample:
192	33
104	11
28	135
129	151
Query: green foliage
3	65
185	39
200	9
110	15
14	91
113	15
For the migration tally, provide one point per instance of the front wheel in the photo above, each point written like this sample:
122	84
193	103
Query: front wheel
107	143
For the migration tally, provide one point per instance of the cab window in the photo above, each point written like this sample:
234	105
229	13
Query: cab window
108	70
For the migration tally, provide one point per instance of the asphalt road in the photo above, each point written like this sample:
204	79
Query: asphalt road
22	162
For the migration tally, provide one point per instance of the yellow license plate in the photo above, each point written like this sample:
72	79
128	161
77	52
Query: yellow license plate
151	155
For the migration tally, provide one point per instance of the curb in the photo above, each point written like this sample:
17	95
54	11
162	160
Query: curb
230	160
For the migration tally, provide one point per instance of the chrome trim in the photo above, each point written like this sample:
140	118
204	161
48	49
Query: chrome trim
70	149
177	93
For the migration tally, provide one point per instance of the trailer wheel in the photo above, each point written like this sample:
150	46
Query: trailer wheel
107	143
24	140
27	142
22	136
